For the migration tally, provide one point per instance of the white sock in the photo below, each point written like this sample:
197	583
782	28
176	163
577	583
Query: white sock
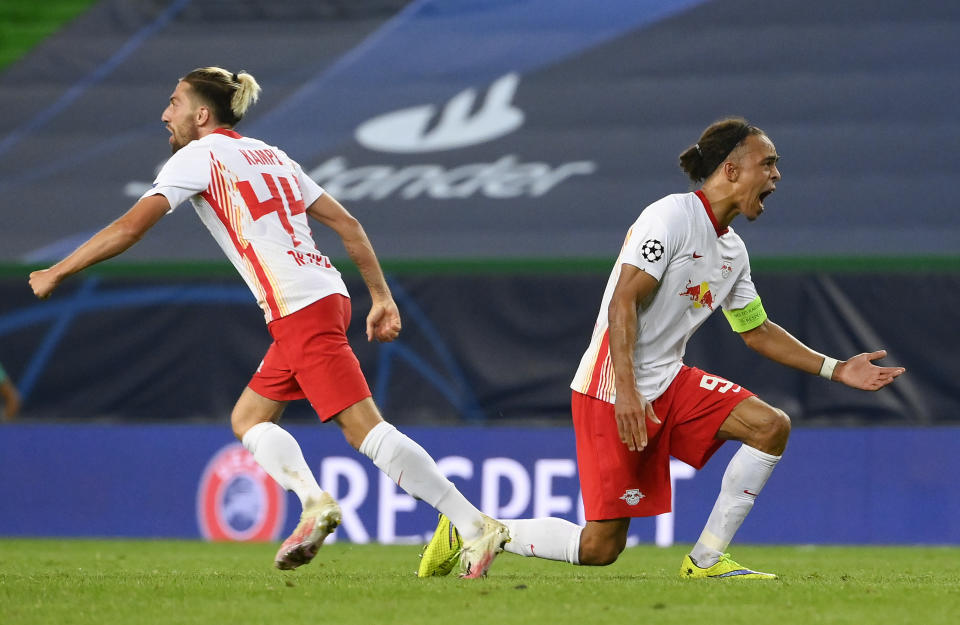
279	454
743	480
414	471
549	538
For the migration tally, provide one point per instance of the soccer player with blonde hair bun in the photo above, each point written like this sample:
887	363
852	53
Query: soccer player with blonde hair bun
218	87
256	200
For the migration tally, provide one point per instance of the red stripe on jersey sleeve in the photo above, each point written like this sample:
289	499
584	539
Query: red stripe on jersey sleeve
599	366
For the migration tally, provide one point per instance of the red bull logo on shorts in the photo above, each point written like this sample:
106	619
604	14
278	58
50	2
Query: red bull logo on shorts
237	500
699	294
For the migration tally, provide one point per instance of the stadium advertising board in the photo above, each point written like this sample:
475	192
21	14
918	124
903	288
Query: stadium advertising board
850	485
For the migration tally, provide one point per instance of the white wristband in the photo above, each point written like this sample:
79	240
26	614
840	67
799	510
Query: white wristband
826	369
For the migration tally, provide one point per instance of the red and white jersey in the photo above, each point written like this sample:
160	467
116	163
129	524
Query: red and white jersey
698	266
253	199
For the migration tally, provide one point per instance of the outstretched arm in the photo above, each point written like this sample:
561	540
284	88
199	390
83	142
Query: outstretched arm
112	240
777	344
383	321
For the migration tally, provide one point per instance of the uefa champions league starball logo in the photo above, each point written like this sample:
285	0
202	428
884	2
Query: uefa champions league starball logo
237	500
652	250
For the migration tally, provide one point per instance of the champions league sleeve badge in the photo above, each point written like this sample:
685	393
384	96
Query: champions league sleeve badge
652	250
237	500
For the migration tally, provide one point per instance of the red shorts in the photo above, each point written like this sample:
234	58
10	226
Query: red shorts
310	357
617	482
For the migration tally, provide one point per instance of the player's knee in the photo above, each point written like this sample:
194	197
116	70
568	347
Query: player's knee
241	421
357	420
600	552
239	424
773	434
780	428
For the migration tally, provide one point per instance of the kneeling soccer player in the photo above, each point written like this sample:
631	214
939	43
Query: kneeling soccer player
635	403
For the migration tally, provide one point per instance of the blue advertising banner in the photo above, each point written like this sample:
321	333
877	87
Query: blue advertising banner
850	486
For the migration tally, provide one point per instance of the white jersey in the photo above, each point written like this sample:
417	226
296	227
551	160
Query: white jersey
698	266
253	199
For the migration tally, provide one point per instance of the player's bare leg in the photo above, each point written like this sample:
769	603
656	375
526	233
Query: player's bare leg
254	422
601	542
756	423
764	431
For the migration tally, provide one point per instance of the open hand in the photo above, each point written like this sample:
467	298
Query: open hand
860	372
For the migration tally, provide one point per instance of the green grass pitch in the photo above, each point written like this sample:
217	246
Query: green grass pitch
138	582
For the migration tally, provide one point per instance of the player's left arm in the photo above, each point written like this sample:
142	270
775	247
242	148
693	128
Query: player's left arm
383	321
115	239
772	341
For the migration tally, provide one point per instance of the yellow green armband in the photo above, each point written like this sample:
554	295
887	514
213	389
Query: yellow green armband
748	317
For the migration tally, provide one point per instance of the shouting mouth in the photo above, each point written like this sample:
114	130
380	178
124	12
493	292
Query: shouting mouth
764	196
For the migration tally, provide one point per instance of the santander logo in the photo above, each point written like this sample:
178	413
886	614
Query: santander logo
460	123
466	119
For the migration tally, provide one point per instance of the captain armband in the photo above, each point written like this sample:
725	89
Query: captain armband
746	318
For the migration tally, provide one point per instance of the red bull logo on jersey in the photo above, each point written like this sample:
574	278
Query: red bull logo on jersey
699	294
237	500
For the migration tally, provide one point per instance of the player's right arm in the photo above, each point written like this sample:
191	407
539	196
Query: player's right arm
631	408
383	320
116	238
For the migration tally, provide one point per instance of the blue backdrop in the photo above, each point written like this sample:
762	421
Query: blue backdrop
865	485
483	129
483	348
